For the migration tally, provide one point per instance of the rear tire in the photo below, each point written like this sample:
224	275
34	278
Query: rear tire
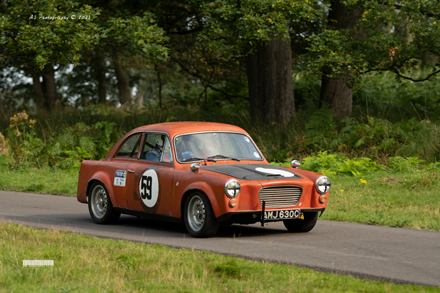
100	205
298	225
199	217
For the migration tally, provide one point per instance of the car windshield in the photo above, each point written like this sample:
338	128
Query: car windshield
213	146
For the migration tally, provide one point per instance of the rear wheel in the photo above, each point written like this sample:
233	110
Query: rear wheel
199	217
298	225
100	206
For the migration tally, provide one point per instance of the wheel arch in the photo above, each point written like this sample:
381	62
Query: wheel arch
206	190
104	180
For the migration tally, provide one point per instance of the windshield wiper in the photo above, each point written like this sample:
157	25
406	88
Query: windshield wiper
223	157
199	159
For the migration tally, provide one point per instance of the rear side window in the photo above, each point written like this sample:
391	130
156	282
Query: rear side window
130	148
157	148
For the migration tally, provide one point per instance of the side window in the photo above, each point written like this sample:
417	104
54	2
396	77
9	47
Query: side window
156	148
130	148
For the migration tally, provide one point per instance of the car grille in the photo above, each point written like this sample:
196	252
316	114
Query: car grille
280	196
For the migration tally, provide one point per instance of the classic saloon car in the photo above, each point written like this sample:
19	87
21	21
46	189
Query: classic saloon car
202	174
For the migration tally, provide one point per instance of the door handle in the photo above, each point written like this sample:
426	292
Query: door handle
131	171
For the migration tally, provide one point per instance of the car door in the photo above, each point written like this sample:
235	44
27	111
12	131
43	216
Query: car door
120	167
151	188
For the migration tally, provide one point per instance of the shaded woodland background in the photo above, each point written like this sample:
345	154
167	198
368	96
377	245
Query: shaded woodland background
352	77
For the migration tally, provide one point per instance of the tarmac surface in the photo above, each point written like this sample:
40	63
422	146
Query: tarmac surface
381	253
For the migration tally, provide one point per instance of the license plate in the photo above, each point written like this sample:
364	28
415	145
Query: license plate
282	214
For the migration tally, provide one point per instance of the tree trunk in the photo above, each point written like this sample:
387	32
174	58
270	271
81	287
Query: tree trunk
334	90
336	94
2	108
125	95
100	70
50	88
269	73
160	85
46	96
39	93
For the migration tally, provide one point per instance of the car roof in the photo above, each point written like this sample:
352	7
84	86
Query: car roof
175	128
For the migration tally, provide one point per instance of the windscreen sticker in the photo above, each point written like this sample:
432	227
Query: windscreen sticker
149	188
246	139
275	172
120	178
256	155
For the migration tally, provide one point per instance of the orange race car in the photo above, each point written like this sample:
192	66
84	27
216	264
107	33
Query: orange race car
203	174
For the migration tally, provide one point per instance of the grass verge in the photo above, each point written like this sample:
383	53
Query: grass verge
88	264
397	200
39	180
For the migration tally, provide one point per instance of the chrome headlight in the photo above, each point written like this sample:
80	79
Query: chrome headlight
323	184
232	188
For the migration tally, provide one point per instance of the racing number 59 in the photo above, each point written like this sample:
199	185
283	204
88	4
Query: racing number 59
146	187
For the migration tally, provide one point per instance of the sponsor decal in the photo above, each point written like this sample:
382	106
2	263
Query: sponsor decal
120	178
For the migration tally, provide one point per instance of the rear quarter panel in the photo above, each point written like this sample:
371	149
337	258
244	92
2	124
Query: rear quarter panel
103	172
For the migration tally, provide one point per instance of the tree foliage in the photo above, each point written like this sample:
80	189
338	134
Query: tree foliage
391	36
237	27
46	31
212	43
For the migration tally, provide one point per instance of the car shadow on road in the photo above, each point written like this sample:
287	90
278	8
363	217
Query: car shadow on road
131	225
227	231
224	231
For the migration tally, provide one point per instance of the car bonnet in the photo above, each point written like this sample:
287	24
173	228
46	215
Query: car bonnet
253	171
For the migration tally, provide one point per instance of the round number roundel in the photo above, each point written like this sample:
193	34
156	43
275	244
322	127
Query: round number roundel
149	188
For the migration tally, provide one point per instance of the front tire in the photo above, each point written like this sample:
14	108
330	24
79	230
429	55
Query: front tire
199	217
298	225
100	206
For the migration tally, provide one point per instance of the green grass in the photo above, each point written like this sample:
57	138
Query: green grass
39	180
407	200
88	264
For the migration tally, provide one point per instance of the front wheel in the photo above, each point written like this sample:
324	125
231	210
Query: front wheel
199	217
100	206
298	225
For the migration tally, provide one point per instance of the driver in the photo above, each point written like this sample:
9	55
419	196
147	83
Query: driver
182	149
155	152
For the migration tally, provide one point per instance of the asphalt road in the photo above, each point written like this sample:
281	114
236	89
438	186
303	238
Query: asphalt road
381	253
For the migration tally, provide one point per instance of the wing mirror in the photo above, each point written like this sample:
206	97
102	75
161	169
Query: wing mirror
295	164
195	167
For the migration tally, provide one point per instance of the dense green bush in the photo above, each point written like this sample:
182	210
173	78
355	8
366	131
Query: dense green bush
387	97
65	149
377	139
23	146
80	142
339	164
64	139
